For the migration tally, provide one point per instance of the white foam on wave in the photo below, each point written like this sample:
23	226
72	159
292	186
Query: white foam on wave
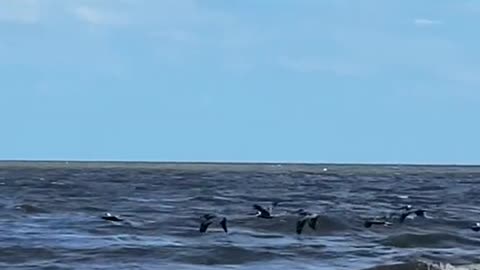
447	266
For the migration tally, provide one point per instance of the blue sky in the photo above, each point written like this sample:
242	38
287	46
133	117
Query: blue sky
216	80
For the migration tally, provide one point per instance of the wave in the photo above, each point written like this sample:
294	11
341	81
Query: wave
421	265
428	240
57	220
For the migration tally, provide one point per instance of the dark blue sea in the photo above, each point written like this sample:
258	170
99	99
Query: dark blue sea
51	216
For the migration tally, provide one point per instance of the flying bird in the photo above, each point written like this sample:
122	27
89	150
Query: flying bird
306	218
208	219
418	213
264	213
111	217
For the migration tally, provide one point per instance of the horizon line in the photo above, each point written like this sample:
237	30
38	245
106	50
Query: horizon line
216	162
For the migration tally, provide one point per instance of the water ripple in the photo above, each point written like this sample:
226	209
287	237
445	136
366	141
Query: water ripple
50	216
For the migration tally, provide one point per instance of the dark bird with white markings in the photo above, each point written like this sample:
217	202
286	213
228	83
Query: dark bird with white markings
264	213
418	213
111	217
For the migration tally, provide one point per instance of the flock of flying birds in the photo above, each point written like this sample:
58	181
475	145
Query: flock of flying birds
306	218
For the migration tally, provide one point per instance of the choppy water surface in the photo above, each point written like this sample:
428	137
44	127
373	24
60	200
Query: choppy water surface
50	216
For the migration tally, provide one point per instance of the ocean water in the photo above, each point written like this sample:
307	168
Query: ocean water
50	216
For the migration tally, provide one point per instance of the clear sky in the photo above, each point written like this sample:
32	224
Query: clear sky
247	80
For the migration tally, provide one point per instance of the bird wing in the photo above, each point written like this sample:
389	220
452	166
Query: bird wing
404	216
312	222
300	224
204	226
223	223
420	213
